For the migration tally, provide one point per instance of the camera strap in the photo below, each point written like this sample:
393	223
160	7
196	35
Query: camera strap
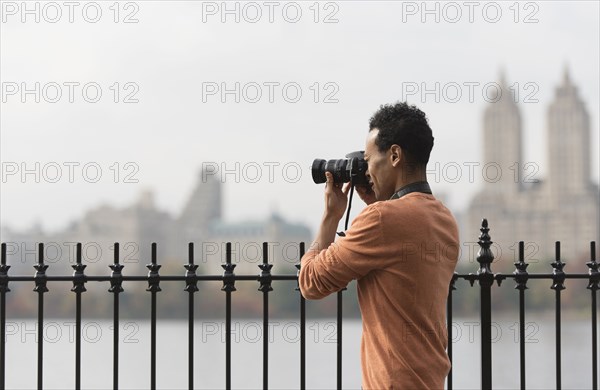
418	186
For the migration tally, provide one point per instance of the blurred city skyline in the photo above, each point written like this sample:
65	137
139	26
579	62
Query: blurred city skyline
168	97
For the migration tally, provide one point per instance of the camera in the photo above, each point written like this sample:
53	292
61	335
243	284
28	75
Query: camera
353	167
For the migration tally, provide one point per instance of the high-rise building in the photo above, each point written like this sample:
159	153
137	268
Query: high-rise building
520	207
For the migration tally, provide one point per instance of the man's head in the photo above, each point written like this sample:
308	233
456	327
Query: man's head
398	147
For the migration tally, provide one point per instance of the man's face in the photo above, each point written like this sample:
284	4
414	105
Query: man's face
380	170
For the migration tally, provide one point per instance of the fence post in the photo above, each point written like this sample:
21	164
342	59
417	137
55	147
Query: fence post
486	279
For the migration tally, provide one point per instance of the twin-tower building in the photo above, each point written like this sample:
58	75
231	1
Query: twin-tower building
521	206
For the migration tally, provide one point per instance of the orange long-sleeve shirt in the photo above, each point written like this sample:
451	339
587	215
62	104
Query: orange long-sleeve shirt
403	253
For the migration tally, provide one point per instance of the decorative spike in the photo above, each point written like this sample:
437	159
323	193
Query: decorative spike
485	255
79	278
153	276
265	277
228	275
40	271
558	276
593	265
116	278
191	285
521	275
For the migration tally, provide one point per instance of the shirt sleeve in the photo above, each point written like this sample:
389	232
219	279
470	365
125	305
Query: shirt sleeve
351	257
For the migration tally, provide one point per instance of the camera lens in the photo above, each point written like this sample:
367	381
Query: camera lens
318	171
338	168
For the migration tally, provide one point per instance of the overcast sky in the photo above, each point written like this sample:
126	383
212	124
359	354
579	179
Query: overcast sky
309	76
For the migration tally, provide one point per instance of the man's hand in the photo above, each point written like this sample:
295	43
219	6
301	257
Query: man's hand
336	199
366	194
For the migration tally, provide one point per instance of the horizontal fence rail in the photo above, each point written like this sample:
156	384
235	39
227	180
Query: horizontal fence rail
484	277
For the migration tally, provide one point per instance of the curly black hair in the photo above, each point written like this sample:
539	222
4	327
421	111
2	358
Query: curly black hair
405	126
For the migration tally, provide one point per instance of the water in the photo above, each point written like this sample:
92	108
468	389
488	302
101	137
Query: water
284	354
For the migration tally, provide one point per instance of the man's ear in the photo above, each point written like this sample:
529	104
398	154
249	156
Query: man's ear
395	155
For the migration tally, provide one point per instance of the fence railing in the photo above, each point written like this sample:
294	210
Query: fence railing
484	276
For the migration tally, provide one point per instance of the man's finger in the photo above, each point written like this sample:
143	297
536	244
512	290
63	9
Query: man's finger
346	188
329	180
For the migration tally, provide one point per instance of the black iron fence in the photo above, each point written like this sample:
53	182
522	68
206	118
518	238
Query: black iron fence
484	276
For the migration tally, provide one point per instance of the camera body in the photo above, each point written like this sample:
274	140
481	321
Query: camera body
353	167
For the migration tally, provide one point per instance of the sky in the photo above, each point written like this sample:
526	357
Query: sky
136	96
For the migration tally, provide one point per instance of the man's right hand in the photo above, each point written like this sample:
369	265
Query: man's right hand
366	194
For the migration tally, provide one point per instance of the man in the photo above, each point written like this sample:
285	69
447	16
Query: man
402	249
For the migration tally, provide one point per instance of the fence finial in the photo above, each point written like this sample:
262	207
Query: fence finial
593	265
265	277
485	255
521	275
79	278
558	276
153	276
228	275
191	284
40	271
116	278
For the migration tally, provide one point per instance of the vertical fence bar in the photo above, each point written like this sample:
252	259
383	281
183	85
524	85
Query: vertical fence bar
3	290
265	287
191	287
593	286
521	277
116	280
449	328
302	326
228	287
79	280
486	279
558	277
153	287
40	288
